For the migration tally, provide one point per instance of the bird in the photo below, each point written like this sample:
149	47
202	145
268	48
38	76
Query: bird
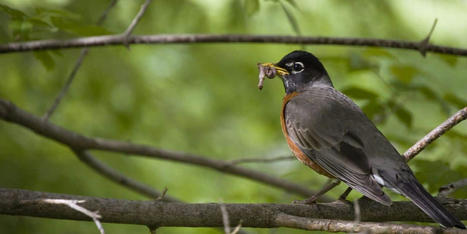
329	133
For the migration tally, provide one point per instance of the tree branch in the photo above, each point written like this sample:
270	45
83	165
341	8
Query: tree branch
137	18
73	204
78	63
9	112
436	133
329	225
225	38
163	214
445	190
118	178
262	159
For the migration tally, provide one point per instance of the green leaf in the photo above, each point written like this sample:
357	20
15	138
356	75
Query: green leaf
75	27
449	59
436	173
293	3
45	58
427	92
430	94
291	18
378	52
359	93
454	100
404	116
46	12
357	62
251	7
39	22
401	113
13	13
373	109
404	73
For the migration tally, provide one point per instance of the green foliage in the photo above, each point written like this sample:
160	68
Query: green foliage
251	6
202	98
45	58
359	93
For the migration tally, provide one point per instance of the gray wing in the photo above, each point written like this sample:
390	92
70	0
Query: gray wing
326	126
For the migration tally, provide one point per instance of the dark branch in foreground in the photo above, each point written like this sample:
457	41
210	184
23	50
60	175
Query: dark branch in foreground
330	225
435	133
162	214
9	112
420	46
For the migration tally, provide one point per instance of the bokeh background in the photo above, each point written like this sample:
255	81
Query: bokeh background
203	99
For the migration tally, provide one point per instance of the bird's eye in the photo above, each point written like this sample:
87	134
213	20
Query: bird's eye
298	67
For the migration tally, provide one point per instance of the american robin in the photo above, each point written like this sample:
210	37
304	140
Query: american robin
328	132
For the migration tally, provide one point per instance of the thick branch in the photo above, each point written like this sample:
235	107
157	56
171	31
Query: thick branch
9	112
329	225
160	214
229	38
435	133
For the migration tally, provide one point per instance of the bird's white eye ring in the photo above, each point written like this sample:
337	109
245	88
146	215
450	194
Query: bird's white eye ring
297	67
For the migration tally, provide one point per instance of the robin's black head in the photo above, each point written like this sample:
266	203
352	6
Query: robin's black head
304	70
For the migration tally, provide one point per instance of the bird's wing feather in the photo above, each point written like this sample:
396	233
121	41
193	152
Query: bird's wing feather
324	129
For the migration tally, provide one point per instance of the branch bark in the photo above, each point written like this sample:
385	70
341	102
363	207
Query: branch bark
436	133
285	220
420	46
160	214
9	112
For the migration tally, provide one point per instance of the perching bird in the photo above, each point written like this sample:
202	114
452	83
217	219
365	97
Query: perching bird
328	132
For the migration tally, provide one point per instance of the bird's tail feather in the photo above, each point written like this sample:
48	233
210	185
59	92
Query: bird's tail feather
418	195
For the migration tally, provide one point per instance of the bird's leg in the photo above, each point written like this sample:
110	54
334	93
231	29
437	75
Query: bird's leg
317	195
344	195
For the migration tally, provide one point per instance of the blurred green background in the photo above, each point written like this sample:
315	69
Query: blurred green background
203	99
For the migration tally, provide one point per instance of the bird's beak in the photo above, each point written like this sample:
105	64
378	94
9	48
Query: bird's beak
278	70
270	70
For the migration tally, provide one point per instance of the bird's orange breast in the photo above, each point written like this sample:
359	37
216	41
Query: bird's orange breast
296	151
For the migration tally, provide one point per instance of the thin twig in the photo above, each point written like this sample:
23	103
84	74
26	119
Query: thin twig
66	86
223	38
436	133
135	21
9	112
78	63
162	196
119	178
102	18
332	183
261	160
73	204
425	42
445	190
225	219
237	228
